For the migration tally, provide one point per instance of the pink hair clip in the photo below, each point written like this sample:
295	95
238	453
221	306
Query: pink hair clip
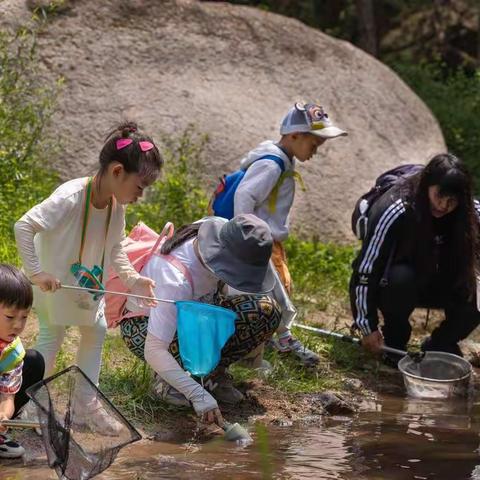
145	146
123	142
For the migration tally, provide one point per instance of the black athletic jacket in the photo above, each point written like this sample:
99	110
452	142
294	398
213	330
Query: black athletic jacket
390	239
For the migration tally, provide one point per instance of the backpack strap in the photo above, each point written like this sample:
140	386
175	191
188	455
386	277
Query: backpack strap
165	234
278	160
179	266
272	199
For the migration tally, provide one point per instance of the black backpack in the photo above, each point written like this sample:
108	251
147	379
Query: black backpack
383	183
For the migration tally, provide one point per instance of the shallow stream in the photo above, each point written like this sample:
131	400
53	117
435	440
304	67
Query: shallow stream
390	438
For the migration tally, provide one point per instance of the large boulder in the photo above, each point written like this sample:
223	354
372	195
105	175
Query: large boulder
234	72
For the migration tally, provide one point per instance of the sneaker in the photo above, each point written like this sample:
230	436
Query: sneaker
95	418
294	347
265	369
220	385
9	448
262	369
169	394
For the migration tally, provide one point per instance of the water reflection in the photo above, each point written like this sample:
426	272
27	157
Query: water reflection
418	439
394	438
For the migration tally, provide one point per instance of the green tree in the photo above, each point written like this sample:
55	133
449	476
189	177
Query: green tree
454	98
26	105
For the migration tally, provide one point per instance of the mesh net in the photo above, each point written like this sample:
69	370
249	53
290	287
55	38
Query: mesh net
437	375
82	431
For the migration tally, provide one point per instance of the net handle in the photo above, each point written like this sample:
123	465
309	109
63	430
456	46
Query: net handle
111	292
19	424
347	338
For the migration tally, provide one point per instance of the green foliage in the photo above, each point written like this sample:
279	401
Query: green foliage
454	98
126	381
319	270
178	196
420	29
44	12
337	360
26	105
264	451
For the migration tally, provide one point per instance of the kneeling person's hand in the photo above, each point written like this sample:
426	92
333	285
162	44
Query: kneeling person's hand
213	416
373	342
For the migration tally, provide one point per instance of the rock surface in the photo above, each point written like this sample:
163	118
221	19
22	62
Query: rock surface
232	71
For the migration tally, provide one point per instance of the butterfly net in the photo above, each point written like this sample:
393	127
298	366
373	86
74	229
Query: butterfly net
82	431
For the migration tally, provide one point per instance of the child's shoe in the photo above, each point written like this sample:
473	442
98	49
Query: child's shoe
169	394
262	369
10	448
95	418
220	385
293	346
255	361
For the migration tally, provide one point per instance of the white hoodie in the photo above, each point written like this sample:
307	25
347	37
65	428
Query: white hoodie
252	194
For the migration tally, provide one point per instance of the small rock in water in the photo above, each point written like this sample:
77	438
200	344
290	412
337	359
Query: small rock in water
333	403
353	384
282	422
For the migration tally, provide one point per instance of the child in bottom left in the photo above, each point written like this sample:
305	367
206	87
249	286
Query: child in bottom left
19	369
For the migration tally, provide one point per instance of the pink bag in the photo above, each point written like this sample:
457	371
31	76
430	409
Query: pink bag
140	245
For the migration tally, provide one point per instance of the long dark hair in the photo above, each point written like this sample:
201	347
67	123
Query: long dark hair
453	179
184	233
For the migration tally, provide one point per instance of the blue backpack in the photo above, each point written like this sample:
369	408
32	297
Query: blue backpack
221	204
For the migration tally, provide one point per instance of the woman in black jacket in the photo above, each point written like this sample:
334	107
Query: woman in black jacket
421	250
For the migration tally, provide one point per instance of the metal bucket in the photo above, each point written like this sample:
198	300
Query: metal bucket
437	375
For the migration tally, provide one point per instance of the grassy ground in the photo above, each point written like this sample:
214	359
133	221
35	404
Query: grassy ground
291	391
322	298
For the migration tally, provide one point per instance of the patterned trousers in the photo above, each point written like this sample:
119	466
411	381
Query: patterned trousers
258	316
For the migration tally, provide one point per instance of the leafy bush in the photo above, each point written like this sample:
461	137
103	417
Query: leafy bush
178	196
454	98
319	270
26	105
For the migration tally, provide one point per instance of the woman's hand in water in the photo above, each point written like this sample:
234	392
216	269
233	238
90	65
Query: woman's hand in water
144	286
373	342
213	416
46	281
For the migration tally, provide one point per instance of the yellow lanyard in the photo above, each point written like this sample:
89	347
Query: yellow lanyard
86	215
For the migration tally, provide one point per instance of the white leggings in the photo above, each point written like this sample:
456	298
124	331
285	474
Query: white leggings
89	354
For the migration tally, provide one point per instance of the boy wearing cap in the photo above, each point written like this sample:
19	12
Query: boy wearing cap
268	193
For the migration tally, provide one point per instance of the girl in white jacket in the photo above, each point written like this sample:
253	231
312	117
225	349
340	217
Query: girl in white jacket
79	228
